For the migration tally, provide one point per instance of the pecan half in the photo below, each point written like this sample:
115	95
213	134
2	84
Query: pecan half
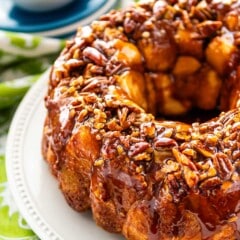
223	165
210	183
140	151
94	55
207	28
163	143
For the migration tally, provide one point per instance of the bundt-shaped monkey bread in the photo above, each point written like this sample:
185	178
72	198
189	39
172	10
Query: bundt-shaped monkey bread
142	177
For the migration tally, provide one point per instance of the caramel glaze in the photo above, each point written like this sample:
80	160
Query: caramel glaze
145	178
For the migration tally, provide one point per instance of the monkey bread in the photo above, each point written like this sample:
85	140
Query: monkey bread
112	135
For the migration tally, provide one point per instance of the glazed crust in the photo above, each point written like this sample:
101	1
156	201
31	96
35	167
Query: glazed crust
142	177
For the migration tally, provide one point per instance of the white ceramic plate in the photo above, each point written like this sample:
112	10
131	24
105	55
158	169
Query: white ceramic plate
34	189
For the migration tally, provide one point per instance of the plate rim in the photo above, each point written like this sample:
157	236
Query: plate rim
18	168
14	168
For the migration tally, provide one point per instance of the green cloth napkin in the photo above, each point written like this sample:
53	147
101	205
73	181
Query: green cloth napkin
23	58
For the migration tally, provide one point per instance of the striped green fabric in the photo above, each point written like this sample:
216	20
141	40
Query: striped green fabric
23	58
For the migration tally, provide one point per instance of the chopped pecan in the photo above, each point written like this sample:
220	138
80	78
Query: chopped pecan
82	115
125	119
91	98
207	28
202	12
237	166
78	45
94	83
201	148
113	125
232	21
85	33
142	157
182	132
94	55
159	8
210	183
223	165
211	172
190	152
236	126
97	70
165	132
191	177
163	143
148	129
129	25
182	159
77	82
103	47
100	118
236	154
177	186
237	38
73	63
140	151
170	167
211	139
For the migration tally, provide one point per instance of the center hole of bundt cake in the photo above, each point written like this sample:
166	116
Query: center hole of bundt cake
190	92
181	75
178	84
189	89
194	115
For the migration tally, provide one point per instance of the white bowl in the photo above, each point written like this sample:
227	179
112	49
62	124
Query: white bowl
41	5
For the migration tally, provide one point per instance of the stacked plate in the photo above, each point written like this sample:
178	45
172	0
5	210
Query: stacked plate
57	23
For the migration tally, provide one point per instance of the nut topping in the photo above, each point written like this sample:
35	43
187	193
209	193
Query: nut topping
94	55
223	165
151	179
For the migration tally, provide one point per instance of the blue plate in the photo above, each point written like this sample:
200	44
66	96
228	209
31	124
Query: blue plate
15	19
